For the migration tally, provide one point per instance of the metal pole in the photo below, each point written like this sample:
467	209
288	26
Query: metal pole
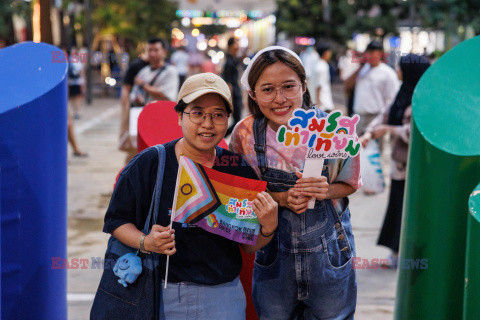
88	38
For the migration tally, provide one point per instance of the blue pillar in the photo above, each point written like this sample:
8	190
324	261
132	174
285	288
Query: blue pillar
33	181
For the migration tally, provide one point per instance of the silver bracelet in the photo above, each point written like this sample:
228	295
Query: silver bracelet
142	244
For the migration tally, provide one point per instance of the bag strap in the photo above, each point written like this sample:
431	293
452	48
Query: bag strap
157	191
157	74
160	70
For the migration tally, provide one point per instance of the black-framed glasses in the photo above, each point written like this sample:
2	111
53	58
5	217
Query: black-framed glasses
268	93
218	117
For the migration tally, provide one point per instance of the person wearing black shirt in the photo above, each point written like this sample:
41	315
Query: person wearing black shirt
230	75
203	265
134	68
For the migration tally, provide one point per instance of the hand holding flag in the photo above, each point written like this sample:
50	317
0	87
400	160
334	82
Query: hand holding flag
218	202
161	240
221	203
266	210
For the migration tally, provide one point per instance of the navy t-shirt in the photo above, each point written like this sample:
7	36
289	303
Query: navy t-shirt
201	257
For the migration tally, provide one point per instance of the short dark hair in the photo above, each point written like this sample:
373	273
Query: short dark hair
231	41
158	40
374	45
181	106
322	48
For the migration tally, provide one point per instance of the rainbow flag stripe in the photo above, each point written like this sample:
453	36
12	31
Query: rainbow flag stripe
196	197
232	217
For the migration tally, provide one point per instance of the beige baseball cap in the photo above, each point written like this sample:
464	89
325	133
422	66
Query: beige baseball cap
203	83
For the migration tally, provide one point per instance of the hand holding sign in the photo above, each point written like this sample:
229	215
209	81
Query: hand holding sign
294	201
312	187
327	138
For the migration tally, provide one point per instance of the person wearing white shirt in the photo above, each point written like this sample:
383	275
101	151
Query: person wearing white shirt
156	81
376	85
159	80
347	67
323	87
309	59
180	60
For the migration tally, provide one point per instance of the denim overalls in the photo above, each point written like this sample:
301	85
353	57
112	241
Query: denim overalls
308	263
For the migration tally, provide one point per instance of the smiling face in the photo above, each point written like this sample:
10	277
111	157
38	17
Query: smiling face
204	136
280	109
124	264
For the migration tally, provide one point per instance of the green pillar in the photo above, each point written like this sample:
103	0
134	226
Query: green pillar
443	169
471	297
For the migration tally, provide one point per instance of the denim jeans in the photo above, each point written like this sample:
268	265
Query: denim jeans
309	260
190	301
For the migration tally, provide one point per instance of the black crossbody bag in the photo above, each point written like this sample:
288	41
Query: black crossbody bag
141	299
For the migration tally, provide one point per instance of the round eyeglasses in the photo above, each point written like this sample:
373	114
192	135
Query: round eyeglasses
268	93
197	116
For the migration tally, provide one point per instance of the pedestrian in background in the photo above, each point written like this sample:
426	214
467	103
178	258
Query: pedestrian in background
72	138
76	80
230	75
75	86
309	260
141	61
180	60
156	81
323	85
347	67
208	65
376	85
195	62
309	59
396	121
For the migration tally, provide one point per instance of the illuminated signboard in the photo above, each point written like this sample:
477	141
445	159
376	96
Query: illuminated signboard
250	14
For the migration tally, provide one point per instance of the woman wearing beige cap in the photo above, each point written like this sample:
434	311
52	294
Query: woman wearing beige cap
203	278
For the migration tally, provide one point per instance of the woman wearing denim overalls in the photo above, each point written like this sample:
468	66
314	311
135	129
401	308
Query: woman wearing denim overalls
308	264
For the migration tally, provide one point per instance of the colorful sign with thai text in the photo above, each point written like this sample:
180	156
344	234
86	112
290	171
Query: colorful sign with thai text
327	138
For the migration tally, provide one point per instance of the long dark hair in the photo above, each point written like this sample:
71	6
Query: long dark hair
266	59
413	67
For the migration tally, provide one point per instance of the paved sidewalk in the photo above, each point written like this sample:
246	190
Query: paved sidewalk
90	184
